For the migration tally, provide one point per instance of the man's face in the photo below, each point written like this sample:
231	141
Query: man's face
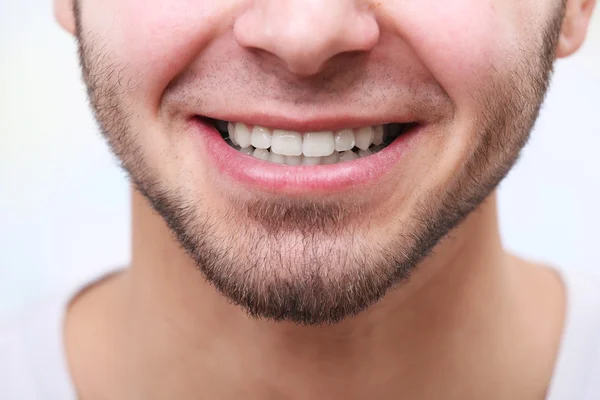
456	84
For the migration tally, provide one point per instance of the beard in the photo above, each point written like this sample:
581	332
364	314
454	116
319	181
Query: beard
313	261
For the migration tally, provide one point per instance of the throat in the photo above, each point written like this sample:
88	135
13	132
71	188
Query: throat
455	331
387	352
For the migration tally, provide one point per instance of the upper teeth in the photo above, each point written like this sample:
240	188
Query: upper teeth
309	144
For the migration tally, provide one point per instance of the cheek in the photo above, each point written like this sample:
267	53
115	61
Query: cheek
467	46
155	40
460	41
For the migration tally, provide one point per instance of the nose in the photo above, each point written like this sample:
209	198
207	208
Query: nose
305	34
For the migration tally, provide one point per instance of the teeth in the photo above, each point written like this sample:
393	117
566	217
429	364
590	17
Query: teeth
287	143
293	160
231	131
318	144
262	154
378	135
348	156
344	140
376	149
306	160
364	137
260	137
311	148
248	150
365	153
242	135
277	158
331	159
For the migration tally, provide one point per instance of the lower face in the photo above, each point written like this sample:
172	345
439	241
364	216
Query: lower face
306	198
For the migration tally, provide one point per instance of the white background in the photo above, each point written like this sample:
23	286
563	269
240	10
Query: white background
64	205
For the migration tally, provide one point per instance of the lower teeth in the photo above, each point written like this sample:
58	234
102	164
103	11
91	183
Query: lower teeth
335	158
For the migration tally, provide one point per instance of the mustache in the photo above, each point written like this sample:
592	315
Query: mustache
214	88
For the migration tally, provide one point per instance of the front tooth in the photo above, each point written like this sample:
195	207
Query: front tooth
307	160
242	135
260	137
318	144
231	131
344	140
378	135
287	143
262	154
293	160
331	159
364	137
277	158
348	156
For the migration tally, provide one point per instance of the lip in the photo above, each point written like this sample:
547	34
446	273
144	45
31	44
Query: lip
283	179
314	123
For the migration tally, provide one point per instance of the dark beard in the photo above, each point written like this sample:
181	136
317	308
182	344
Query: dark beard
300	261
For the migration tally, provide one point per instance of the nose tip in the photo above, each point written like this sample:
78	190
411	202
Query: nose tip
305	34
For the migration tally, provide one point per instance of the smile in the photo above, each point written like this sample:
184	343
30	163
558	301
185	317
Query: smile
294	148
287	161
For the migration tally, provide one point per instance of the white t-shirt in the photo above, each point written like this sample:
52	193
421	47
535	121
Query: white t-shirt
33	364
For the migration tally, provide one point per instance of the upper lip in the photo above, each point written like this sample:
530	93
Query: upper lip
309	123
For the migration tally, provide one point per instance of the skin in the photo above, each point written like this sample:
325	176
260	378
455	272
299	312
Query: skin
470	319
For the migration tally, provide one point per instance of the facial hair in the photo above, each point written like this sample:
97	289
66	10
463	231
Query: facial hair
312	262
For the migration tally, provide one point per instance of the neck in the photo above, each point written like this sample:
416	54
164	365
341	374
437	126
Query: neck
181	337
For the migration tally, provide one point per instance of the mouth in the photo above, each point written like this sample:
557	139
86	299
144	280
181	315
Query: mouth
292	148
290	162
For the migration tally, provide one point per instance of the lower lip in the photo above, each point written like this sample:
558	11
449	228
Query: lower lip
278	178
